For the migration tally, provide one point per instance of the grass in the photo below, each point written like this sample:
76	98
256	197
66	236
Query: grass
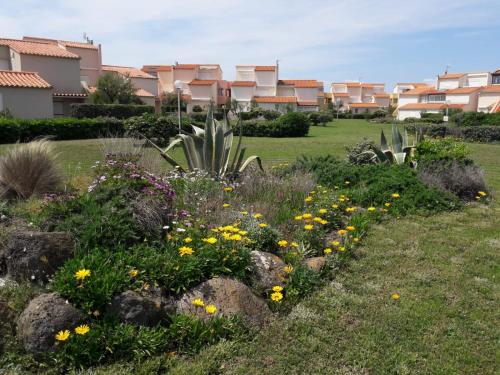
445	268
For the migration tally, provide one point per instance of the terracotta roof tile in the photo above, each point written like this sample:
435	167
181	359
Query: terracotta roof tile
451	76
143	93
127	70
265	68
463	90
243	84
300	83
202	82
429	106
38	48
186	66
66	43
275	99
340	94
381	95
364	105
10	78
308	103
491	88
422	91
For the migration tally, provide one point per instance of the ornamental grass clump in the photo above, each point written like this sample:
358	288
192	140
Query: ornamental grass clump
29	169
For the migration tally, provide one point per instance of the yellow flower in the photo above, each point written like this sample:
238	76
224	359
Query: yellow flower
226	205
387	204
482	193
298	217
235	237
188	240
288	269
133	272
82	274
294	244
395	195
308	227
283	243
327	250
184	250
82	330
347	182
211	309
228	189
342	232
210	240
308	199
277	288
335	206
243	232
371	209
395	296
276	296
323	222
350	228
341	199
317	219
244	212
226	235
62	335
257	216
323	211
335	243
341	248
198	302
307	216
355	239
262	225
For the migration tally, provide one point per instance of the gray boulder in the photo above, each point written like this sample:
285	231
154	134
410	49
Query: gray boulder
267	270
46	315
145	308
231	297
36	256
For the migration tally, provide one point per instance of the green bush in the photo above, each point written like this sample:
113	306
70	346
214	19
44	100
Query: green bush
472	133
23	130
119	111
292	124
157	128
257	113
202	116
320	118
441	149
480	119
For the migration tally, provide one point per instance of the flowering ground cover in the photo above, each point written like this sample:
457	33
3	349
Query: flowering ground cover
406	276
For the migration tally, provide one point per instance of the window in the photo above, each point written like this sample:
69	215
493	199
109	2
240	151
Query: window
495	79
220	91
437	98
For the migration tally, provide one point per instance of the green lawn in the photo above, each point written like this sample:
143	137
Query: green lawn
445	267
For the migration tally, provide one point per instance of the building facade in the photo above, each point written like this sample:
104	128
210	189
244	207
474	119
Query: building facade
359	97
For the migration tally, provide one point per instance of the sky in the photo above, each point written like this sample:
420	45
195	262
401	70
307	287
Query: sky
332	41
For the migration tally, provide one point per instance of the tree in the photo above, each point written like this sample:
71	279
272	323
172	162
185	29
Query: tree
169	103
113	88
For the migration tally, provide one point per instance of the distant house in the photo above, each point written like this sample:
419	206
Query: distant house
25	95
55	64
489	99
145	84
201	83
402	87
360	97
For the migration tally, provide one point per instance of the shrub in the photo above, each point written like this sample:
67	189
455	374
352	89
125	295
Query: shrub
463	180
29	169
471	133
202	116
13	130
119	111
480	119
157	128
260	113
320	118
356	154
197	108
292	124
434	118
441	149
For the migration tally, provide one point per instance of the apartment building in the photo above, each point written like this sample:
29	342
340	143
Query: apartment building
359	97
260	85
402	87
201	83
55	64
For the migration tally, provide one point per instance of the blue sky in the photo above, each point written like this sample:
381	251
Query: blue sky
336	40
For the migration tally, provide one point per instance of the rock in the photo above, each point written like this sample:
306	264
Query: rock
316	263
46	315
267	270
36	255
231	297
144	309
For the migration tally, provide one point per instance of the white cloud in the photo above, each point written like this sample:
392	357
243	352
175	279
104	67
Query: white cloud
307	36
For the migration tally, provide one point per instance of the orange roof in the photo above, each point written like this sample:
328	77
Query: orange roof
9	78
463	90
265	68
275	99
416	84
127	70
343	94
381	95
451	76
300	83
364	105
422	91
308	103
243	84
185	66
491	88
37	48
431	106
143	93
202	82
66	43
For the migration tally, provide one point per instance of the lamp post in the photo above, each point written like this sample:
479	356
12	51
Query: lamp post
178	88
338	102
447	102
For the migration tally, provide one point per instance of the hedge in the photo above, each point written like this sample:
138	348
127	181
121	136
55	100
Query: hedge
293	124
479	119
120	111
320	117
13	130
257	113
472	134
157	128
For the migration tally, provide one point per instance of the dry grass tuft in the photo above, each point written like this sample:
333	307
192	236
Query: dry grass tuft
29	169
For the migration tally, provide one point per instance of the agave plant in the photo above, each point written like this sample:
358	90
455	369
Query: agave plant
209	149
400	149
